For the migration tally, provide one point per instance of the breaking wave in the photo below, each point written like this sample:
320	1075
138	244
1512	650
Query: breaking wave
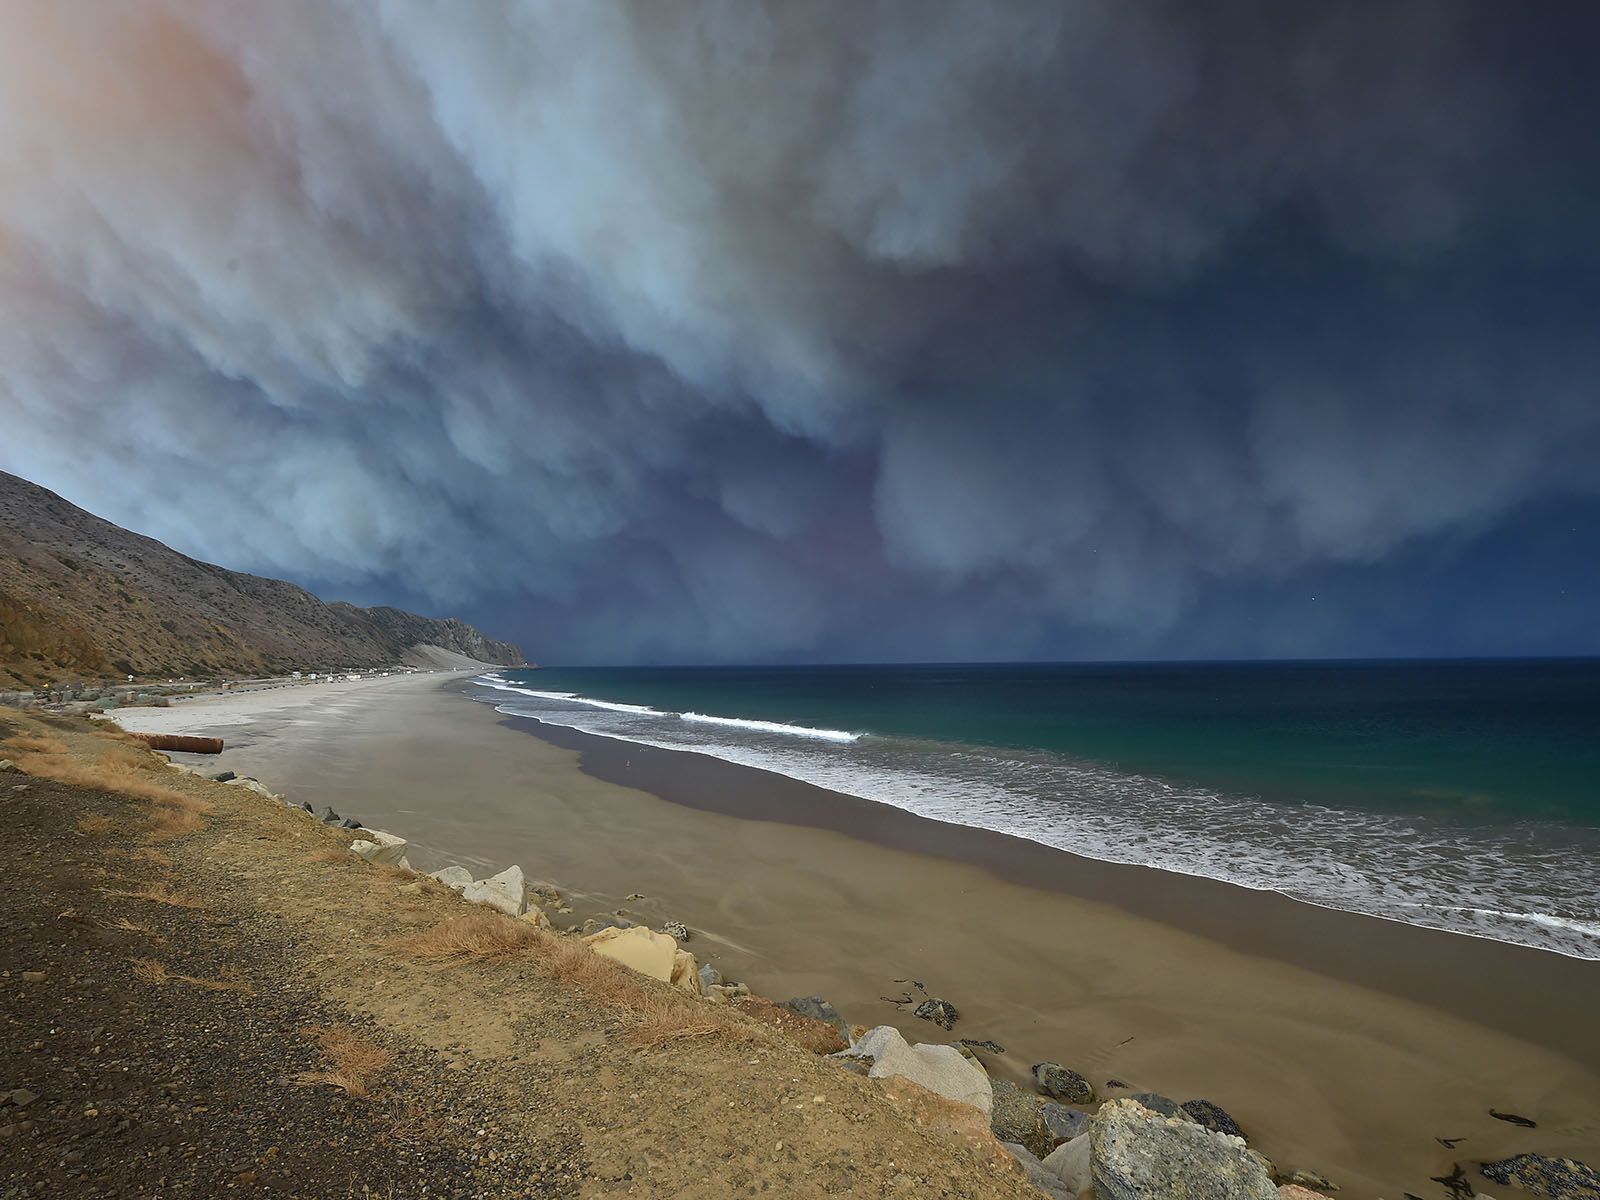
1530	883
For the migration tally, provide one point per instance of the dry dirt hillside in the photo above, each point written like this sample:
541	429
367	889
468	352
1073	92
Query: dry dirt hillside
82	597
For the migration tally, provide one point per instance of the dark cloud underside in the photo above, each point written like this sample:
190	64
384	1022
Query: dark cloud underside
764	330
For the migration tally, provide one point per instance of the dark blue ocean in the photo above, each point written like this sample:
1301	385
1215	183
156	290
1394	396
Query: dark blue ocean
1459	795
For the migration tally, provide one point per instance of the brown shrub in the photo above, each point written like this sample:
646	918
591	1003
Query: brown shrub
481	936
161	893
354	1062
27	743
152	971
95	824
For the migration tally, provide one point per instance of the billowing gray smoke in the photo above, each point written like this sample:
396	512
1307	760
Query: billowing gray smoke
739	329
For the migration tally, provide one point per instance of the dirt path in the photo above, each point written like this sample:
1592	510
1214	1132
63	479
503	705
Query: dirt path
226	1009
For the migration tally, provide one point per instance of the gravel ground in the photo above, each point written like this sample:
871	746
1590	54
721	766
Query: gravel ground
154	1048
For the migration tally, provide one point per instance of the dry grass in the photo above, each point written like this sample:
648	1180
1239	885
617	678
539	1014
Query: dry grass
147	854
339	858
354	1062
152	971
819	1037
660	1016
161	893
174	813
96	824
123	925
27	743
394	871
481	936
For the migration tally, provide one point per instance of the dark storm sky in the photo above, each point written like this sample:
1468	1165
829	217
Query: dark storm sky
832	330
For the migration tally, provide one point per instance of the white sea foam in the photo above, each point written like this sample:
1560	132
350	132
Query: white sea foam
826	735
1527	884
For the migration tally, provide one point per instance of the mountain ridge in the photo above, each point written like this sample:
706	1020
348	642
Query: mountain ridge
81	597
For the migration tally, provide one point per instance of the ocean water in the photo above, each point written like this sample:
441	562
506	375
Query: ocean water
1459	795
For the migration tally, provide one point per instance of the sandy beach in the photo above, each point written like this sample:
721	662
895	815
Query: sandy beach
1342	1044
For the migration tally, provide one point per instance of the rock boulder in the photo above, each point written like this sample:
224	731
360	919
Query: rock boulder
1558	1178
1136	1154
1015	1117
1059	1083
1063	1123
1042	1180
940	1069
1070	1163
380	847
454	878
507	891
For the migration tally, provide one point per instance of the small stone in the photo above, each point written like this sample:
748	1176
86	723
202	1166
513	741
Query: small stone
676	929
710	977
22	1097
1213	1117
1160	1104
33	977
941	1012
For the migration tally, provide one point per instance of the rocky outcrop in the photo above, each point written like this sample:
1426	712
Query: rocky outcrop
941	1012
1136	1154
507	891
1062	1084
940	1069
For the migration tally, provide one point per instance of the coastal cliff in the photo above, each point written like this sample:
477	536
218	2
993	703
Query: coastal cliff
81	597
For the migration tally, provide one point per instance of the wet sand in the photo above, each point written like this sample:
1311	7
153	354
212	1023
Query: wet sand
1343	1044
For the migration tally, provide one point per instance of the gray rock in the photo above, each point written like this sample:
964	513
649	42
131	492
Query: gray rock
940	1069
507	891
224	777
677	930
595	924
1213	1116
1059	1083
1015	1117
941	1012
1070	1163
819	1009
1558	1178
22	1097
1136	1154
455	878
349	823
1040	1178
709	976
1160	1104
6	765
326	815
1063	1123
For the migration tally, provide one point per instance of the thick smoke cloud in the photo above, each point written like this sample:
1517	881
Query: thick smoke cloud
758	330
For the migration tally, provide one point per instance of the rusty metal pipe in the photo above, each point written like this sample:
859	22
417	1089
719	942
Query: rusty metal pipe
175	741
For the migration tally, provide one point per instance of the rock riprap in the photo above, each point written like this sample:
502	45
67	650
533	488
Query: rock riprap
380	847
1136	1154
1038	1176
507	891
649	953
1060	1083
1015	1117
1071	1163
1063	1123
454	878
1558	1178
940	1069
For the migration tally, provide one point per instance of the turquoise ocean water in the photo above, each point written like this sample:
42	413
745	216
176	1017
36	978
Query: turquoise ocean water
1459	795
